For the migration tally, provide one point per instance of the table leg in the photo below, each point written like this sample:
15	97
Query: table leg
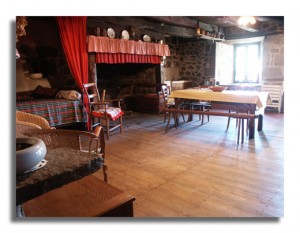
260	122
251	128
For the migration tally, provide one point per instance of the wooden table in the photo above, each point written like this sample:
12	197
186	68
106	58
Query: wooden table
63	166
242	101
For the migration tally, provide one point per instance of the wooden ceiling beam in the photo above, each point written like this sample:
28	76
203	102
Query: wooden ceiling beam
141	24
181	21
250	27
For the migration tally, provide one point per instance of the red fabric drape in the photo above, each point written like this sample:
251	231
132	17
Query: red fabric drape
114	58
100	44
72	31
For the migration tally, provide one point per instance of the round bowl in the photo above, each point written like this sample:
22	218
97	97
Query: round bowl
217	88
36	75
29	152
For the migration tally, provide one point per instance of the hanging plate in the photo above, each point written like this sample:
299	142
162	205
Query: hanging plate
111	33
146	38
125	35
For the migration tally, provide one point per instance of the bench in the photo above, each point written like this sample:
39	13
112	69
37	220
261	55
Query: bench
240	116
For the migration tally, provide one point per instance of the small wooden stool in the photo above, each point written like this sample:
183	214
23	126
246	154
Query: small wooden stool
87	197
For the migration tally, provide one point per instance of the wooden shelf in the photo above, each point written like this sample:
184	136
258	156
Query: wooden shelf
205	37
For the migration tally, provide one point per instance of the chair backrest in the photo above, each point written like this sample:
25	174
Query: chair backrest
31	118
23	126
166	92
73	139
91	90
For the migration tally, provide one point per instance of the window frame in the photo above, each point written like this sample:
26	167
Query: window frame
245	81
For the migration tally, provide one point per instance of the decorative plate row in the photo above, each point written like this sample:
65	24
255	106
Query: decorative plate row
124	35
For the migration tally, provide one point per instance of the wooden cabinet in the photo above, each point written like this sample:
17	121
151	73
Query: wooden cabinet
181	84
149	103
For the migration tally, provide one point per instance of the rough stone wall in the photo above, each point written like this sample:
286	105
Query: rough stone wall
195	60
273	27
273	59
43	53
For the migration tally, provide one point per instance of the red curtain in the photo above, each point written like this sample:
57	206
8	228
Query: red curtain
114	58
72	31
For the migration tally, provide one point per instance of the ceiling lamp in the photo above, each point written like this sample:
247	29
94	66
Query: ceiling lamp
245	20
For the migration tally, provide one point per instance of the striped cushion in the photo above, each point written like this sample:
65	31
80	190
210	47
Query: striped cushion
113	113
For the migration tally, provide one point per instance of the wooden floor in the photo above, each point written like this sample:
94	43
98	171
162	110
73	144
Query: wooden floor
198	171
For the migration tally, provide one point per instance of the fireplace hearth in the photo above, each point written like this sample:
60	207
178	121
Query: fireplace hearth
137	84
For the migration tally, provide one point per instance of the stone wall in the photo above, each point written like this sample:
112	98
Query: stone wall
273	59
41	52
194	59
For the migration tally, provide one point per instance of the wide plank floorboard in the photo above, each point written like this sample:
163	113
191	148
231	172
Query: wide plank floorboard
198	171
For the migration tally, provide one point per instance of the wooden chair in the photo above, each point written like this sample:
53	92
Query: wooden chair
201	106
237	120
165	90
101	109
229	118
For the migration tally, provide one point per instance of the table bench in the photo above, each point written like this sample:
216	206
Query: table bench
240	116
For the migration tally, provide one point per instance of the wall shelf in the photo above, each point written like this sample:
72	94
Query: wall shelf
205	37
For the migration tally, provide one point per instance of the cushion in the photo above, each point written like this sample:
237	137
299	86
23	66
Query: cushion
44	92
113	113
24	96
69	95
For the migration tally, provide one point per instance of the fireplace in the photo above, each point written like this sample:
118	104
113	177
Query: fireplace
137	84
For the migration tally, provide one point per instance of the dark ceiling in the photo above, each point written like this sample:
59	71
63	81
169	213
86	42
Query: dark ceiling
185	26
181	26
220	21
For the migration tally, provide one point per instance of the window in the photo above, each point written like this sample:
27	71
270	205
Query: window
247	65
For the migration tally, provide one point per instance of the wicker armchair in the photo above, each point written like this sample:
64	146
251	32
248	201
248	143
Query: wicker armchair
73	139
27	121
22	126
78	140
31	118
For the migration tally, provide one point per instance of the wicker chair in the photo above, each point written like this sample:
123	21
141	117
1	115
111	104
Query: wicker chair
31	118
22	126
73	139
26	121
